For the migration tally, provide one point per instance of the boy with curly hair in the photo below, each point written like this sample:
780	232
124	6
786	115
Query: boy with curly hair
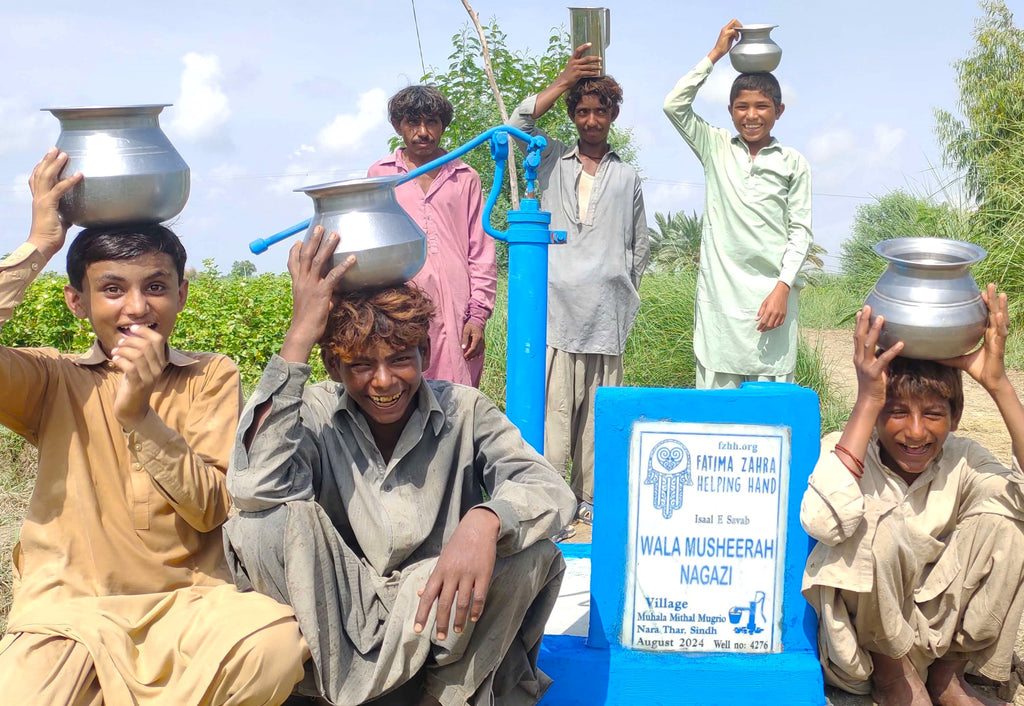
405	520
594	279
460	273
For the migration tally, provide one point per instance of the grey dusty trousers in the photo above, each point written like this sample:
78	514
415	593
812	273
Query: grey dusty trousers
359	625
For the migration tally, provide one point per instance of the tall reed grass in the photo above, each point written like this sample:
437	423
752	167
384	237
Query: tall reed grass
659	352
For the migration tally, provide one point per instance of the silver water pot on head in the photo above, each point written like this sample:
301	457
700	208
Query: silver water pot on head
928	297
132	173
389	246
755	52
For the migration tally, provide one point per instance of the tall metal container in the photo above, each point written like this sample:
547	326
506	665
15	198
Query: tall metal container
594	25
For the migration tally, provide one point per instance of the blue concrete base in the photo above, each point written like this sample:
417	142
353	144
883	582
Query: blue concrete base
585	676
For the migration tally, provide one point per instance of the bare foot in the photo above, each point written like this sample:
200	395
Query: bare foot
947	687
895	682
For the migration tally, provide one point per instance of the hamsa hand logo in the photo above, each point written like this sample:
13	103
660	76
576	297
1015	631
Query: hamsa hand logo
668	470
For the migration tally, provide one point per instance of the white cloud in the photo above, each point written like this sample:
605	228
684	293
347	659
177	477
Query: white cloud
303	149
347	130
887	139
830	145
219	181
25	128
671	197
20	190
714	95
202	108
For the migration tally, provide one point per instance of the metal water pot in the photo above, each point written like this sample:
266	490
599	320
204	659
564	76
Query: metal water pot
928	297
594	25
132	173
389	246
755	52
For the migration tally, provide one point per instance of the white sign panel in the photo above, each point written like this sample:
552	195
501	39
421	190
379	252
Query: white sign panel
707	537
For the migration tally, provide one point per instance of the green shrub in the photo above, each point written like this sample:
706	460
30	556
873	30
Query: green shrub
829	303
897	214
246	318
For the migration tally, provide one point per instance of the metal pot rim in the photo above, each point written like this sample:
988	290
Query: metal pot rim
141	108
896	249
755	27
332	187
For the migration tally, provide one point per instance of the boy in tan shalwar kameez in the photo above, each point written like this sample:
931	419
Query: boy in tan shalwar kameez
121	591
920	560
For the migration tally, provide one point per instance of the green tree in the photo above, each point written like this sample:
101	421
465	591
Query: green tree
243	268
986	144
675	242
897	214
518	73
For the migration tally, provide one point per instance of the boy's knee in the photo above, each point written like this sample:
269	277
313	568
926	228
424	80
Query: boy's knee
267	664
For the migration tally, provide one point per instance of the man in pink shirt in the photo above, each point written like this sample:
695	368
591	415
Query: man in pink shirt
460	274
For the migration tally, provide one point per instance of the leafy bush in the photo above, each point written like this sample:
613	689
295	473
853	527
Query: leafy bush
987	145
897	214
830	302
659	352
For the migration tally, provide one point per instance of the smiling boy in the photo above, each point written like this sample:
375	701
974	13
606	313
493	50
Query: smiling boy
405	520
460	273
756	232
121	591
594	278
920	559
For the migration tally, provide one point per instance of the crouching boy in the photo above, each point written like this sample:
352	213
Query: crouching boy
920	559
121	592
405	520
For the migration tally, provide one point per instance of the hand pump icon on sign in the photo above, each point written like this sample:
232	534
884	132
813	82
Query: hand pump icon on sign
736	612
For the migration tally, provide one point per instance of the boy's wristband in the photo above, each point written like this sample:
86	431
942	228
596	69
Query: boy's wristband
858	466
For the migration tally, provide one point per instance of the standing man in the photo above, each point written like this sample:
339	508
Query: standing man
460	275
594	279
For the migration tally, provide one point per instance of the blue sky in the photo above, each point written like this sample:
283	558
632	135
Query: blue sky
270	96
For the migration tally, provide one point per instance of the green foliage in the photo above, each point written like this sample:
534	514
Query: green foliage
811	372
44	320
246	318
659	352
829	302
518	74
987	145
675	242
243	317
243	268
897	214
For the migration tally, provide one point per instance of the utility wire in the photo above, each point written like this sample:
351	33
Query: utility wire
416	23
